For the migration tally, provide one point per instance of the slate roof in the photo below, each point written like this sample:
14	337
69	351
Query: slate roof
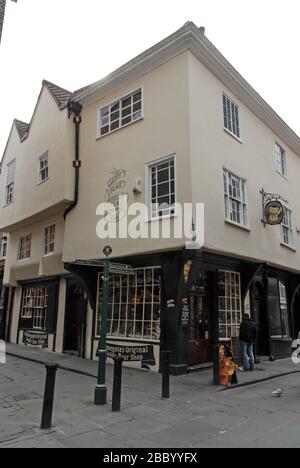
60	95
22	128
2	13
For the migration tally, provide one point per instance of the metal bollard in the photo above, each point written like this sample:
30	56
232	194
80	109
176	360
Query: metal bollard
117	386
49	396
166	374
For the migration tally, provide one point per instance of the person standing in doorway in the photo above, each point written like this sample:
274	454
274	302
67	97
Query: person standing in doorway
248	332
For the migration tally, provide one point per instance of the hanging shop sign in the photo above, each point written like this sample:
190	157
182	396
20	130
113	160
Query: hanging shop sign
273	211
143	354
35	338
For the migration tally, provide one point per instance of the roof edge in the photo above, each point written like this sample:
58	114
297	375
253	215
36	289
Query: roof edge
192	38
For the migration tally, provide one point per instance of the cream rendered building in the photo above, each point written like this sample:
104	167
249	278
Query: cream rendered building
176	124
36	187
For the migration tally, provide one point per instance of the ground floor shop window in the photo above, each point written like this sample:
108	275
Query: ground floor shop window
279	318
230	310
134	305
34	306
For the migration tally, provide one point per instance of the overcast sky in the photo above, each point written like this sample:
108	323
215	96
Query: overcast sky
76	42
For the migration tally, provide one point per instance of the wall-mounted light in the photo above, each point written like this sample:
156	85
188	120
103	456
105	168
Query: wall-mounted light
137	186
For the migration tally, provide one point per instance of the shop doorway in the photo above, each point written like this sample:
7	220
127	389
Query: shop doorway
260	315
199	340
75	320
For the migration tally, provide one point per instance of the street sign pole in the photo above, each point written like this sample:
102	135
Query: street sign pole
101	388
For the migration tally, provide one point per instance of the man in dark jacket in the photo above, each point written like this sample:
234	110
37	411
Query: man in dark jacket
248	333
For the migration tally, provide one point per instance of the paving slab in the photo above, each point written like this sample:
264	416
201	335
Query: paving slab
196	415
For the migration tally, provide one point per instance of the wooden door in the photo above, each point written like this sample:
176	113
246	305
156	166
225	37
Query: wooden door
199	342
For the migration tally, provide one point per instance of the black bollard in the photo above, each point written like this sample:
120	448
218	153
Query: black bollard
166	374
49	396
117	386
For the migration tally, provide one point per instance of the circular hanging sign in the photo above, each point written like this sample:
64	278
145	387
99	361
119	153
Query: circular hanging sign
274	213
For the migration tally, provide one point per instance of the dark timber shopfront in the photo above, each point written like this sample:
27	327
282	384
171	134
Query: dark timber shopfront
190	302
38	313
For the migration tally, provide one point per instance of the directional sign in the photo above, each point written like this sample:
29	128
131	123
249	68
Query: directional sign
116	268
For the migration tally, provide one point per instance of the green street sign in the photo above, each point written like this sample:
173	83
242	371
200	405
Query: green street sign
115	268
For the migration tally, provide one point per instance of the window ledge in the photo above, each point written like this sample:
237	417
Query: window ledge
51	254
232	223
7	204
161	218
287	246
42	181
233	135
282	175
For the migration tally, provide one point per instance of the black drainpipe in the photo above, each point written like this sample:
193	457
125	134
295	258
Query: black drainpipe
75	108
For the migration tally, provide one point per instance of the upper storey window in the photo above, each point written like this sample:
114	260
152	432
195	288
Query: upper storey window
236	210
231	116
120	113
162	187
287	237
43	167
24	247
10	183
280	160
3	247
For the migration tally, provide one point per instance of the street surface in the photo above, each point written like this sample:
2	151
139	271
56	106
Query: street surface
197	415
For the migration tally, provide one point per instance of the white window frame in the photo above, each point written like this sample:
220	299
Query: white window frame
118	101
27	248
115	305
27	303
3	250
231	117
148	191
49	239
230	305
34	306
40	303
231	198
42	169
280	157
10	183
287	231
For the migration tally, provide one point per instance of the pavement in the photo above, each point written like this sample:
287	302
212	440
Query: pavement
266	370
197	415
